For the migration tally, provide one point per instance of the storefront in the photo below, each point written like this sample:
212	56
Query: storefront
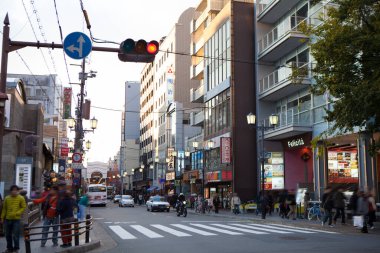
190	181
219	183
170	183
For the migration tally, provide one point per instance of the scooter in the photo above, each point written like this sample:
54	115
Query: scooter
181	208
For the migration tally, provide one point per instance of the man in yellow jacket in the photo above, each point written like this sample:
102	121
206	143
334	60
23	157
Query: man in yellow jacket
13	208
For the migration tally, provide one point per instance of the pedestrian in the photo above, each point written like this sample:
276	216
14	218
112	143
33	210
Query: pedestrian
371	209
306	200
14	206
192	201
65	210
264	205
140	199
362	209
340	204
270	203
216	203
282	202
50	215
235	203
1	208
327	205
292	206
353	203
82	206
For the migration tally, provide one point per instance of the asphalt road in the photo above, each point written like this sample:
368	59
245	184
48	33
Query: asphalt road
134	230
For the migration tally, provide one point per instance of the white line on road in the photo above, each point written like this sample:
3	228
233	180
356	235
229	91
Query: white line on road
240	229
306	229
285	229
147	232
122	233
194	230
98	218
216	229
108	222
170	230
262	229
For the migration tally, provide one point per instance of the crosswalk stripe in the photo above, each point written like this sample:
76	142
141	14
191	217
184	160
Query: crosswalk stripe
262	229
170	230
284	229
216	229
240	229
306	229
194	230
147	232
122	233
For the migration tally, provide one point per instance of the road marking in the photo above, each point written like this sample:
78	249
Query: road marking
194	230
240	229
122	233
98	218
147	232
285	229
306	229
170	230
262	229
108	222
216	229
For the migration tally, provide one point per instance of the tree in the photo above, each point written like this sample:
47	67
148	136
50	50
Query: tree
346	49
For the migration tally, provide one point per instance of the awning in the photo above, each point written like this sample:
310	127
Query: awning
152	188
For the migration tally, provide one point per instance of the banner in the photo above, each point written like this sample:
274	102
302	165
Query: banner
67	92
65	152
61	165
180	161
225	150
171	159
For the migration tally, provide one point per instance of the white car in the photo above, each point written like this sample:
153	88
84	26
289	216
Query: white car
126	200
158	203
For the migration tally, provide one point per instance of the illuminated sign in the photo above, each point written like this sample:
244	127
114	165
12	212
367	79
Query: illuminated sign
296	143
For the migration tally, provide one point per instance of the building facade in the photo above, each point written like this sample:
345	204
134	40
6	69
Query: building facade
222	51
294	160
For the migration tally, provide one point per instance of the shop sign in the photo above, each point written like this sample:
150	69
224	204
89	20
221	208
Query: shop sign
180	160
61	165
225	150
170	84
24	173
296	143
170	176
213	176
65	152
171	159
226	175
67	103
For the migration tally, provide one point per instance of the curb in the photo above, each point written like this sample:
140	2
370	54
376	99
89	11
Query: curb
81	248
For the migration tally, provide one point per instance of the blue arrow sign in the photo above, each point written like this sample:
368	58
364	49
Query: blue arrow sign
77	45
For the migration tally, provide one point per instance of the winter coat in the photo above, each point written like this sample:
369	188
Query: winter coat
339	200
363	206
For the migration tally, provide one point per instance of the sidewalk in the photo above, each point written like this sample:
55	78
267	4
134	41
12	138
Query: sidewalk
35	245
276	219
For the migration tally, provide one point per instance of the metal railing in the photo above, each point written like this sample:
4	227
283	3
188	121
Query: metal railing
32	214
291	118
75	231
262	5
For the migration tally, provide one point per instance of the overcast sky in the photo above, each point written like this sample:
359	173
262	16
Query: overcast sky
114	20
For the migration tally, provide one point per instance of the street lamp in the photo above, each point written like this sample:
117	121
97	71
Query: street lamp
187	153
71	123
88	144
273	120
94	123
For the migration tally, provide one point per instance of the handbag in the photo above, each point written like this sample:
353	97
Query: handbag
358	221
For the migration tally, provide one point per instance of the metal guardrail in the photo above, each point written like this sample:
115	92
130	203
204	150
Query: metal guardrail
33	214
75	231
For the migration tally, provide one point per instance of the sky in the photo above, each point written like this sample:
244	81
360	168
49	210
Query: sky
112	20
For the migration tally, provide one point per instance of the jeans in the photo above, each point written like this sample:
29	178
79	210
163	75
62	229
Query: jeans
236	209
45	230
12	234
328	216
82	212
340	211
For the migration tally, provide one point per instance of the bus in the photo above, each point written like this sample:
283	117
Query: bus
97	194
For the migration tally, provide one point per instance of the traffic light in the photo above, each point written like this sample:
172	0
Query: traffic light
140	51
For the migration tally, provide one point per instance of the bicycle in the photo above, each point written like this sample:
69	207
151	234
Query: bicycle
315	212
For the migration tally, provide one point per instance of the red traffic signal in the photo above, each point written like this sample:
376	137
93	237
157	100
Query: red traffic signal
140	51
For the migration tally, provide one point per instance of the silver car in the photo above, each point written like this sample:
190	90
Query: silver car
158	203
126	200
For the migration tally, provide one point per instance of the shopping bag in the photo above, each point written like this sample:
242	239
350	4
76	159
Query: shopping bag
358	221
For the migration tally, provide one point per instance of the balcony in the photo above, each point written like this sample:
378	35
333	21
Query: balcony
280	83
197	118
196	72
212	6
197	95
291	123
198	46
283	39
269	11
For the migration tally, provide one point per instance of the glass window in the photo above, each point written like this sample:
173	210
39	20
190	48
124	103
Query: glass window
305	103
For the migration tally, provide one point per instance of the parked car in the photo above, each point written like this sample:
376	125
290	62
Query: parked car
158	203
116	199
126	200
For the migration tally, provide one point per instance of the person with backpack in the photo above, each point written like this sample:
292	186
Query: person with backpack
50	215
327	205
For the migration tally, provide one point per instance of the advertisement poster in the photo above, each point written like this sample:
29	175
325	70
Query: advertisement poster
274	171
343	166
24	177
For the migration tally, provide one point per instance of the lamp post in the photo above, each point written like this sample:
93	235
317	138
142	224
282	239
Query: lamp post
273	121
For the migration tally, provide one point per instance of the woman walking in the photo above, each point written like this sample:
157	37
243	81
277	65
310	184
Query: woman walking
65	209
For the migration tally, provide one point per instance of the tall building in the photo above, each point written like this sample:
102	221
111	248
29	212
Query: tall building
292	163
130	134
222	48
165	106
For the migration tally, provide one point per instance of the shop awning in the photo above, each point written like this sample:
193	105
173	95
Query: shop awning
152	188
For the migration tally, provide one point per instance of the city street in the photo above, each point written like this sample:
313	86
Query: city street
136	230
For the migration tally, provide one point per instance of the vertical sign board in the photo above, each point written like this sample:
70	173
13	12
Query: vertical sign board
67	102
180	161
171	159
7	112
64	147
170	83
225	150
24	173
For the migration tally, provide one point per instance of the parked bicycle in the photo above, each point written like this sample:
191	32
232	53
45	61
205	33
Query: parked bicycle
315	212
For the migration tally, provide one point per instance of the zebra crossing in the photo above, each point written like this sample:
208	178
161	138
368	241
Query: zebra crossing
155	231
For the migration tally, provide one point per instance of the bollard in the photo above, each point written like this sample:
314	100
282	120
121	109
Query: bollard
88	222
27	239
76	232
